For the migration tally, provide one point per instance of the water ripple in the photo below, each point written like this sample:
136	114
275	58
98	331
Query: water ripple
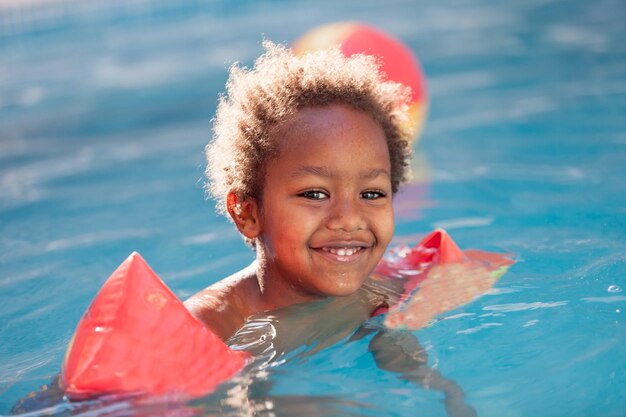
25	183
479	328
97	238
606	300
507	308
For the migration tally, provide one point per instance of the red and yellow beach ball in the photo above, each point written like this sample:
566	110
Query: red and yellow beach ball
397	61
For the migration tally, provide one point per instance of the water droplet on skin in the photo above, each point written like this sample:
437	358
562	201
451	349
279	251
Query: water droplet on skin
614	288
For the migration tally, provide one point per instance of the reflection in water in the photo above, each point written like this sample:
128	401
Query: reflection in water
249	394
252	396
269	339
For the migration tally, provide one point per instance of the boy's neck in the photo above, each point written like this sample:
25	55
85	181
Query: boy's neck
275	293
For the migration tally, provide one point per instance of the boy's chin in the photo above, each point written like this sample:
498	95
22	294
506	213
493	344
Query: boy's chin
342	290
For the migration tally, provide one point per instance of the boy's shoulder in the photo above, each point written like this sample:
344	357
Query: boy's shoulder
224	305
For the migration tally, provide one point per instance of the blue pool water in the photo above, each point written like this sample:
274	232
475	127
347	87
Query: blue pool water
104	113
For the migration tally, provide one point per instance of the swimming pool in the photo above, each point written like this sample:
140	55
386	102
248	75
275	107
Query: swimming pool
104	113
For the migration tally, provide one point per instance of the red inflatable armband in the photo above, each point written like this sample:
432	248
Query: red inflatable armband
413	264
138	337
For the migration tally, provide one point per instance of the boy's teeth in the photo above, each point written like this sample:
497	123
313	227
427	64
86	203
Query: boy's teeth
342	251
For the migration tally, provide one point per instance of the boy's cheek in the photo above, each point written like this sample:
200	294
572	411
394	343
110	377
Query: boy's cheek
387	227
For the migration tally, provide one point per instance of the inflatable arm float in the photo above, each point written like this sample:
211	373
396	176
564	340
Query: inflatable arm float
137	337
470	273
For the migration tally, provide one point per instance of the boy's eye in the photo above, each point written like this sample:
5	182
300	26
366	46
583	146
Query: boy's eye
314	195
372	195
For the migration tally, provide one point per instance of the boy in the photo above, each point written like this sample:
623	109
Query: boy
307	154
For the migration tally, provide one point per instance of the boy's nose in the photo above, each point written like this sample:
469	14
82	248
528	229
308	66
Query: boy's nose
346	216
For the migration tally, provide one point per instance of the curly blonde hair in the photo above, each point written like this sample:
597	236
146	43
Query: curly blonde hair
257	100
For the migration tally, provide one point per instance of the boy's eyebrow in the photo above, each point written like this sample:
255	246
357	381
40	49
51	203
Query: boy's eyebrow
325	172
304	170
375	173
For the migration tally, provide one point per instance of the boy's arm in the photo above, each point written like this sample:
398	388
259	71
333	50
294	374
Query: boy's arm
224	305
213	312
400	352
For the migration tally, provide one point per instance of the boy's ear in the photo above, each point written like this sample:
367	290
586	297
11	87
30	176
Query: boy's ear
245	214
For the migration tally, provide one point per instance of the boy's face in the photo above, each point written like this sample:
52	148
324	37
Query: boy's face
326	216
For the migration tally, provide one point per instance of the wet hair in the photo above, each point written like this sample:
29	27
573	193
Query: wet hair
257	100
